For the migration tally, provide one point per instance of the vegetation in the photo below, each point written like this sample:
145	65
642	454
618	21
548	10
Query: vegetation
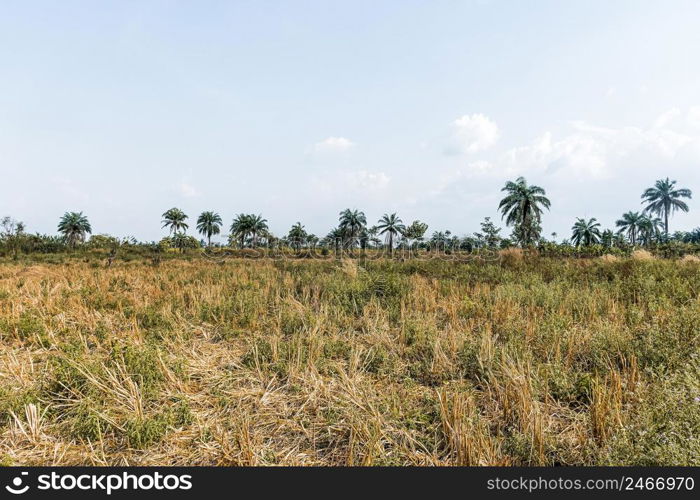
352	223
663	199
209	224
174	219
522	208
249	228
447	350
586	232
521	360
392	226
74	226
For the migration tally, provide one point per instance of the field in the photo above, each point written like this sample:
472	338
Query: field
520	360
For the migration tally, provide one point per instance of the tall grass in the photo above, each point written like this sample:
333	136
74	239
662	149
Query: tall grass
524	360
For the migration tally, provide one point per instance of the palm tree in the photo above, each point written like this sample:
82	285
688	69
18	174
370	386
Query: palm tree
522	208
439	239
391	225
586	232
371	236
335	237
208	224
607	238
364	238
692	236
311	240
650	229
257	227
74	226
351	223
240	227
663	199
631	223
174	219
297	235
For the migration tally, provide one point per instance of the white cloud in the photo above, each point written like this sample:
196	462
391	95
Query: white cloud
187	190
333	144
354	183
363	179
593	152
577	153
452	176
693	117
473	133
586	170
666	118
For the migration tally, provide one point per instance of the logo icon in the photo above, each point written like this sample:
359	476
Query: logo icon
17	483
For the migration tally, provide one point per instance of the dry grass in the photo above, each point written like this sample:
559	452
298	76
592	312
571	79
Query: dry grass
330	363
642	254
511	256
690	259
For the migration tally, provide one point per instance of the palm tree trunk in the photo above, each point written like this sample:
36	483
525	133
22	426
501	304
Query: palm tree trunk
391	244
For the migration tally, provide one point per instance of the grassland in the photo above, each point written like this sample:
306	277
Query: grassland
522	360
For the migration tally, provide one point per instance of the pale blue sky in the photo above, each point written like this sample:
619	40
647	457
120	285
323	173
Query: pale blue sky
299	109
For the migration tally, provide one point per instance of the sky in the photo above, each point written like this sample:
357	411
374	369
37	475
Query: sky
299	109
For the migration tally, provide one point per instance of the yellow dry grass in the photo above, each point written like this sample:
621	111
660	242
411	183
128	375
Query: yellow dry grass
266	362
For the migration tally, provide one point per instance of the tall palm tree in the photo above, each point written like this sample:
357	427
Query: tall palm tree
663	199
174	219
74	226
522	208
631	223
586	232
208	224
351	223
392	226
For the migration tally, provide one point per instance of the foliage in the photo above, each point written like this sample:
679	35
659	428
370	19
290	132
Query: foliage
391	226
209	224
351	224
586	232
248	228
174	219
477	361
522	208
663	199
74	226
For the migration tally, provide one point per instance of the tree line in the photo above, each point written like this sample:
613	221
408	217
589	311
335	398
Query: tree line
522	209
